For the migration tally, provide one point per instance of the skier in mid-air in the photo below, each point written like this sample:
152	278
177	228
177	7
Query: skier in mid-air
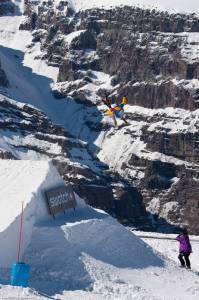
116	109
185	249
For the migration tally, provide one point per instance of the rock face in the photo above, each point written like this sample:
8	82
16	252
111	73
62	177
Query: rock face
7	7
158	154
26	133
3	78
150	175
147	53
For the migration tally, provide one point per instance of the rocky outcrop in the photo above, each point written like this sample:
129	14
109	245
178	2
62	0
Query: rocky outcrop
185	210
7	7
152	57
180	145
29	22
26	133
140	20
3	78
141	50
158	154
48	15
173	200
160	94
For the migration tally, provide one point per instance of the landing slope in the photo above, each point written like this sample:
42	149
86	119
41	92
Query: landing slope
80	255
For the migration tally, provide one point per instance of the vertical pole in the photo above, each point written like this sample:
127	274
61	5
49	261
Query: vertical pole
20	234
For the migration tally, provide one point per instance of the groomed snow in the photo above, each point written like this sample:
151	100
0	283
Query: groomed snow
160	242
22	181
84	254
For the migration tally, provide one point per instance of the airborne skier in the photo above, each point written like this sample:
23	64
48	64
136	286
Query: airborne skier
116	109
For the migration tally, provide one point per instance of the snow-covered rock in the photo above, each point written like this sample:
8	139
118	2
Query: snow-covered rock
81	54
151	164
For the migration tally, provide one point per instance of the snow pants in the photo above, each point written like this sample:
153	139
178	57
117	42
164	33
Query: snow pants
184	259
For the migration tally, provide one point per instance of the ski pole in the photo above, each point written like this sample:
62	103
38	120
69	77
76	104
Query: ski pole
20	234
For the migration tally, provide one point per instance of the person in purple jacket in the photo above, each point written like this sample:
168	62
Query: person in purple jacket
185	249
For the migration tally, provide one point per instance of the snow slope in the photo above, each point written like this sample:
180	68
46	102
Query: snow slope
22	181
31	79
80	255
160	242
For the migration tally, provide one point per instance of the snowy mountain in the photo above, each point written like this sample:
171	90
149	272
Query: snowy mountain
60	58
34	140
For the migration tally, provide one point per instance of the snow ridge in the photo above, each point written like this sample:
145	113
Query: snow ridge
172	6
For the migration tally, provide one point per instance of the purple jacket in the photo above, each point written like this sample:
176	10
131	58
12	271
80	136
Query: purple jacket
185	245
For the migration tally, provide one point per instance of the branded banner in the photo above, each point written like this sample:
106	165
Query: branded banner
60	199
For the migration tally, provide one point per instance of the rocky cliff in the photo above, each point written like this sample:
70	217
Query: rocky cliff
147	173
158	154
148	54
26	133
3	78
7	7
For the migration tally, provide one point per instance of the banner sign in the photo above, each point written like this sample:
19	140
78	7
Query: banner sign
60	199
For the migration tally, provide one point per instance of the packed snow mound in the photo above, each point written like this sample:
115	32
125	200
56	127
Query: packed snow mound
87	254
22	181
168	5
79	240
72	238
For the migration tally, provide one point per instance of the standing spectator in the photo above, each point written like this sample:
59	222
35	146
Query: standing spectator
185	249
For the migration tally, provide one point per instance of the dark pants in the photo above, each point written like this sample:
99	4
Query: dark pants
184	259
